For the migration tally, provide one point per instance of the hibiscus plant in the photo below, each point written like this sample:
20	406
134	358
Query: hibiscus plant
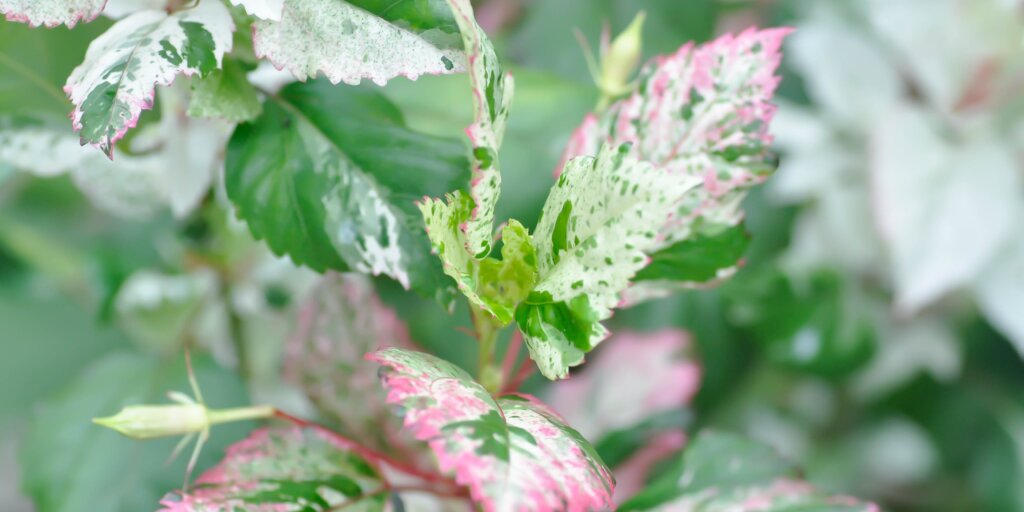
330	175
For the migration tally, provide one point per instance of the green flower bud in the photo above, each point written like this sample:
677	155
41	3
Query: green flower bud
622	58
152	421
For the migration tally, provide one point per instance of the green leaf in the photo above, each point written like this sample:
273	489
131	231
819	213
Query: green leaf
350	41
284	468
71	465
225	94
512	452
337	191
124	65
726	472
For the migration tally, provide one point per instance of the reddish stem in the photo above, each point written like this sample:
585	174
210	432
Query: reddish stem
511	356
525	370
368	453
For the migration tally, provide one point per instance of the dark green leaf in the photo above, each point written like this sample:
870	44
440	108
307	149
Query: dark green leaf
700	258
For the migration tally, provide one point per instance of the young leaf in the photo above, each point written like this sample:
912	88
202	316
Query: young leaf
285	469
149	48
262	9
512	452
723	472
462	227
341	321
702	112
599	223
225	94
337	192
51	13
348	43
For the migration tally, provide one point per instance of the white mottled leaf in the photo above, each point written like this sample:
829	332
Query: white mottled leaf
598	225
1000	292
461	227
263	9
43	150
117	9
348	43
281	469
512	452
943	210
51	13
701	112
116	82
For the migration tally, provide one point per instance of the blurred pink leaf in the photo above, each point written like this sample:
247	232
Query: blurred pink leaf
280	469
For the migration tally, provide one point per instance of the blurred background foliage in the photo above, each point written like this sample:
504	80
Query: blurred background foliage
823	345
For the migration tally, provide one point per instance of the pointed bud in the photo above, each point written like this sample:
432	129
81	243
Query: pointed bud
152	421
622	58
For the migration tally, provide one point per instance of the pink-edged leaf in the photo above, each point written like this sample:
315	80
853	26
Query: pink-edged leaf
282	469
342	320
51	13
513	453
701	112
722	472
633	378
122	67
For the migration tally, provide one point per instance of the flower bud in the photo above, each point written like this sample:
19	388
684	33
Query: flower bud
152	421
622	58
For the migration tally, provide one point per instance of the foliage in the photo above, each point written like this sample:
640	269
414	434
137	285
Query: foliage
228	188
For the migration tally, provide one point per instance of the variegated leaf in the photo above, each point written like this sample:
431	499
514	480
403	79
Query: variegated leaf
702	112
262	9
512	452
351	40
116	82
281	469
51	13
225	94
462	226
600	222
337	192
724	472
343	320
492	96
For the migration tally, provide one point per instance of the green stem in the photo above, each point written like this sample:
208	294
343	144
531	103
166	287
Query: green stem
236	330
487	329
256	412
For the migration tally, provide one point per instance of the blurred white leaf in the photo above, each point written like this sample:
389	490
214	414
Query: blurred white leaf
942	210
1000	292
906	350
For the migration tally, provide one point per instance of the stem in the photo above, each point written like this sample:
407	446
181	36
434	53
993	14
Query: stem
488	374
236	331
257	412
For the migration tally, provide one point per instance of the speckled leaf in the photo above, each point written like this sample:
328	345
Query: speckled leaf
702	112
343	320
348	43
51	13
225	94
263	9
337	192
492	96
115	83
724	472
301	469
512	452
599	223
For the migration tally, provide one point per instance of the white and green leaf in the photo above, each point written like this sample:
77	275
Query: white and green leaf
349	42
51	13
262	9
225	94
512	452
600	222
122	67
